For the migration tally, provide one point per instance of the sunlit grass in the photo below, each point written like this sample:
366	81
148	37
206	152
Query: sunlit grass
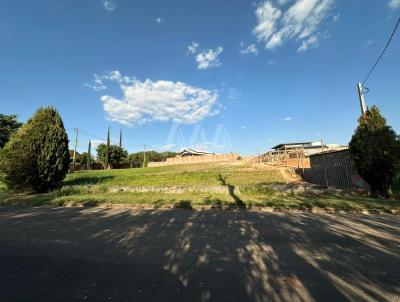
255	190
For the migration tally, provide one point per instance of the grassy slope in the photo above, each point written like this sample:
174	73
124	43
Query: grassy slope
254	181
182	175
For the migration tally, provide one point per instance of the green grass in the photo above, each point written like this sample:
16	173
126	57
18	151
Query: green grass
182	175
255	189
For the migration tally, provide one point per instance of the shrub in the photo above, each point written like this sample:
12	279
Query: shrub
36	157
375	149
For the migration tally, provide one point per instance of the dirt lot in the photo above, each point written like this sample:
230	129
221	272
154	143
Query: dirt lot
92	254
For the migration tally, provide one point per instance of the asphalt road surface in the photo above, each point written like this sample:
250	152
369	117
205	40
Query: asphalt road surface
83	254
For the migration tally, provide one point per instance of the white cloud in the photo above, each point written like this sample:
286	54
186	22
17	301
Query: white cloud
160	20
205	59
109	5
394	4
287	119
243	127
251	49
99	81
271	62
147	101
310	42
300	22
192	48
209	58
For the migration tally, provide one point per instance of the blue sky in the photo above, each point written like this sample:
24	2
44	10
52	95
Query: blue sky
236	76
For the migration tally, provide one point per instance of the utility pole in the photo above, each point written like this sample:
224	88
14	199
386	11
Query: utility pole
363	105
324	165
144	155
120	138
76	143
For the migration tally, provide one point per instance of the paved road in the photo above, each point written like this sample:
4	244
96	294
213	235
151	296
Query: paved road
77	254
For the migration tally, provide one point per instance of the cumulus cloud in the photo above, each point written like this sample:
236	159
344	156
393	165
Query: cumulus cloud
301	21
109	5
394	4
251	49
287	119
205	59
147	101
209	58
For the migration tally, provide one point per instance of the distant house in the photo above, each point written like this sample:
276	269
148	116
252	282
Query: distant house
191	152
308	148
295	154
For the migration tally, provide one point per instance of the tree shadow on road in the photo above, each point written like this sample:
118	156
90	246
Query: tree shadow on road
97	254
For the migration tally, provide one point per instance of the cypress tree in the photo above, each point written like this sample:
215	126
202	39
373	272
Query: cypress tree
89	160
107	157
120	138
37	157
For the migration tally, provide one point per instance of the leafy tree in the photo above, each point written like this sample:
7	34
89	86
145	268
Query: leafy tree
136	159
375	149
8	125
78	156
115	154
107	151
36	158
85	157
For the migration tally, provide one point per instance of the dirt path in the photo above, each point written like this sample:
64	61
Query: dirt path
78	254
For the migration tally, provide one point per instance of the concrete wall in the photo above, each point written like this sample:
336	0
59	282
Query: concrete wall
195	159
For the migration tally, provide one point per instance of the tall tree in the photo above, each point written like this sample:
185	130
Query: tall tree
120	138
375	149
8	125
36	158
107	154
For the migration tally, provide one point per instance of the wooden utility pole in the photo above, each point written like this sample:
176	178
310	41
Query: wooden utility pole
361	98
76	143
144	155
324	164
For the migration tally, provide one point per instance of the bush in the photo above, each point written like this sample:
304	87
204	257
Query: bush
375	149
36	158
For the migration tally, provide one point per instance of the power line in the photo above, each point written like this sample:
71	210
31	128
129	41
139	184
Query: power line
383	52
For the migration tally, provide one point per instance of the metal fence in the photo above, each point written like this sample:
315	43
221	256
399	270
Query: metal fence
334	169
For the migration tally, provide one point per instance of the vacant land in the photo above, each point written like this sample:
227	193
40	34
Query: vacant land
238	184
92	254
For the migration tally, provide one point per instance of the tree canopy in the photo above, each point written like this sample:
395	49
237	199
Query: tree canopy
36	158
112	155
136	159
375	149
8	125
